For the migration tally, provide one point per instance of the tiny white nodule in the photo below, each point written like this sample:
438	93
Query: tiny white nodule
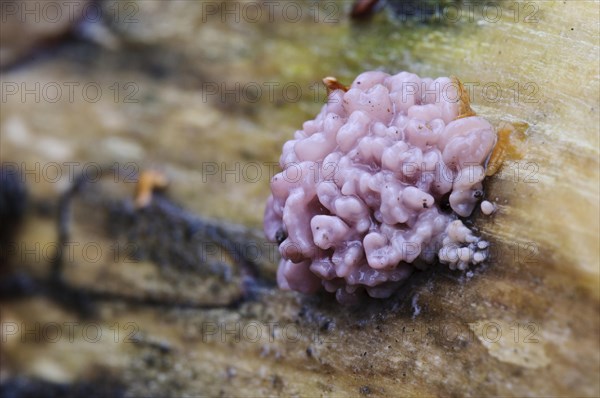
487	207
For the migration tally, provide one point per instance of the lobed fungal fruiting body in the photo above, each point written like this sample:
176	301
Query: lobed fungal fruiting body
374	186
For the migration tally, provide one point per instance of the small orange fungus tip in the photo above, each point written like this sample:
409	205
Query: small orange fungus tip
508	147
149	181
363	8
464	101
333	84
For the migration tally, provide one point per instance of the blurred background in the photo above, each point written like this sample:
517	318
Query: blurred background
137	139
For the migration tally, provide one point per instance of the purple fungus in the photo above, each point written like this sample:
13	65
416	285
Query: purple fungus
360	201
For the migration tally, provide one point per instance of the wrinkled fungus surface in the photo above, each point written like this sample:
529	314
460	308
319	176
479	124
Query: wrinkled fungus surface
375	185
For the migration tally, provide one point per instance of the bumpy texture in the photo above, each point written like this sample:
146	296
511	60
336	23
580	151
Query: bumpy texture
373	187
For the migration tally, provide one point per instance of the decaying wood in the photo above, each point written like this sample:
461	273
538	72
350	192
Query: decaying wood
176	312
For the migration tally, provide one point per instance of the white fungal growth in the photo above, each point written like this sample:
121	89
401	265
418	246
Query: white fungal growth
461	247
487	208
